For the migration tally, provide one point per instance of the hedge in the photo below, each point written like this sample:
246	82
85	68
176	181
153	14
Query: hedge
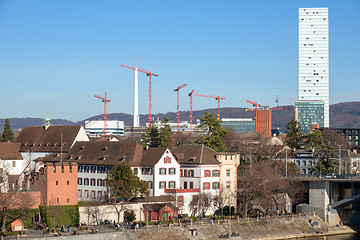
65	215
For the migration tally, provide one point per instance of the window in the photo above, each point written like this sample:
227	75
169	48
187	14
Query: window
93	183
93	169
136	171
207	173
227	184
216	173
185	185
191	185
67	182
172	184
68	200
57	183
206	185
181	172
86	169
191	173
86	181
180	201
150	185
57	200
86	193
13	163
215	185
185	173
228	172
79	181
162	185
167	160
99	194
104	182
172	171
100	182
79	193
80	168
92	194
162	171
146	171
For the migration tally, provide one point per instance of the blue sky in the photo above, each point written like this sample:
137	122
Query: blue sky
55	55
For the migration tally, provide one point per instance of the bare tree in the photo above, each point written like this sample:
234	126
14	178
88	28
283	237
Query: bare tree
259	184
201	203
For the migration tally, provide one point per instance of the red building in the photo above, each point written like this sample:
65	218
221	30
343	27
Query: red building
160	211
263	121
57	183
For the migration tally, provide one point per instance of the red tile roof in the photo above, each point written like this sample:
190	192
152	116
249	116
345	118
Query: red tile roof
37	139
151	156
10	151
196	154
106	153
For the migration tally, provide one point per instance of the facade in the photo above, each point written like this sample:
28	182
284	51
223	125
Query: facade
199	175
310	113
184	126
304	159
352	135
239	125
95	160
95	128
229	163
160	169
263	120
314	57
57	183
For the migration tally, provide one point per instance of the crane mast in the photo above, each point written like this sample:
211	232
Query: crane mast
105	101
149	74
177	90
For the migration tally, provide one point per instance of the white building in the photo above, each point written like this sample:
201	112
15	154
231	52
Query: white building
200	174
95	128
314	57
184	126
160	169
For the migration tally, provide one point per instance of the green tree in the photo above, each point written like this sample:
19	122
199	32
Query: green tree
294	136
129	216
165	134
7	135
314	139
326	162
124	184
213	133
151	136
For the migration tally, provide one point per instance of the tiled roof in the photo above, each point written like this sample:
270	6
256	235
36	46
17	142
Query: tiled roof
37	139
151	156
106	153
10	151
197	154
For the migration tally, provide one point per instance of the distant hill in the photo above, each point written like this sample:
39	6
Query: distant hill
345	114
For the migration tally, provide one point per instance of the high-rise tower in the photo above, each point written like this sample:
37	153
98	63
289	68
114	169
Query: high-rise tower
314	57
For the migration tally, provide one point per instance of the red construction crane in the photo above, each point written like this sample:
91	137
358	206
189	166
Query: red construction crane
255	104
149	74
105	101
177	90
218	102
191	97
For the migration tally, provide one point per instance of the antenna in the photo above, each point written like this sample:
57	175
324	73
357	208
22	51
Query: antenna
277	95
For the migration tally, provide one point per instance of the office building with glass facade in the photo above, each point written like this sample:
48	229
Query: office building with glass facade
239	125
310	112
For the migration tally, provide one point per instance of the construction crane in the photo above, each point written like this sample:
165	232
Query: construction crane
149	74
105	101
217	98
177	90
191	97
255	104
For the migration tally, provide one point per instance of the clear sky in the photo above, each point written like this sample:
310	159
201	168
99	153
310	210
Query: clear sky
55	55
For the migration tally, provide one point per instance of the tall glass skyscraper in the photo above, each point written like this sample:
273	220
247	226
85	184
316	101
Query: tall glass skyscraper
314	57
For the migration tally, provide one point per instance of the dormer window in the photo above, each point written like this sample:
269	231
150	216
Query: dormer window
193	159
105	148
82	148
167	160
